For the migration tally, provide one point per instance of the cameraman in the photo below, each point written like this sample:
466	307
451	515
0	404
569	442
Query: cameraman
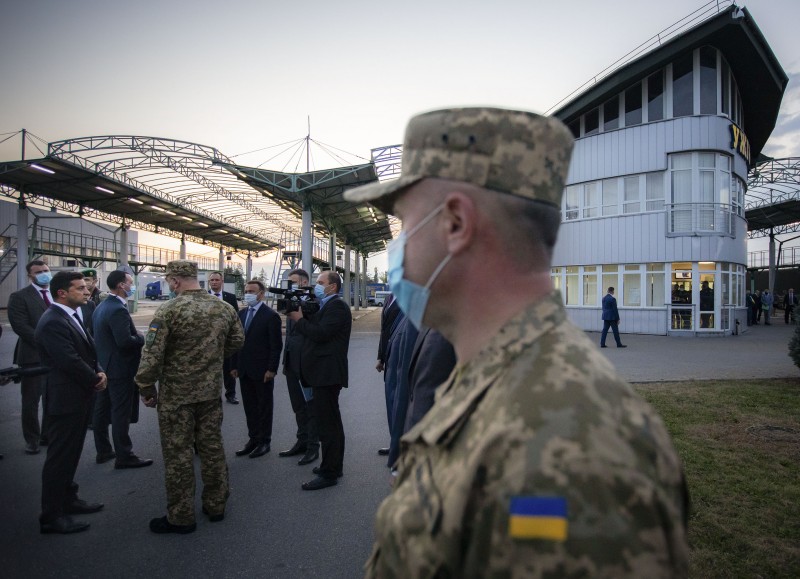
307	439
323	366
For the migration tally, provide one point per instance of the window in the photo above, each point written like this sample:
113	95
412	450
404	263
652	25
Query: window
655	192
632	287
590	285
700	193
682	86
631	204
610	197
591	123
591	199
724	93
611	114
654	285
655	96
610	278
575	127
633	105
572	200
572	286
708	81
555	277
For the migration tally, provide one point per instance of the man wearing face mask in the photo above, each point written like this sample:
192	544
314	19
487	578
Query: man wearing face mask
25	307
323	366
119	349
256	365
536	459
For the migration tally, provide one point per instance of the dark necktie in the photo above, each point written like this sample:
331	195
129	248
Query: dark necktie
80	323
250	313
216	295
45	297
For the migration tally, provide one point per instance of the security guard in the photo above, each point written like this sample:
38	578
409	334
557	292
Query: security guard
185	345
536	458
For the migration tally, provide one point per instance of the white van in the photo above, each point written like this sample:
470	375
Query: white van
381	297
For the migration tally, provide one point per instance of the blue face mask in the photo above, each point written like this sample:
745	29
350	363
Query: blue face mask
319	291
411	297
43	278
250	299
130	292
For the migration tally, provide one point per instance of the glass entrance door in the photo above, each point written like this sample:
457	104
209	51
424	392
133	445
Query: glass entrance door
708	300
682	300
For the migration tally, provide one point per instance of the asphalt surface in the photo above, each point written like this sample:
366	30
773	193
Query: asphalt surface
273	528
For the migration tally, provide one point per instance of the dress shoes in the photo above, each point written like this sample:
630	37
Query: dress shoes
248	448
63	526
81	507
133	462
232	399
622	346
214	518
162	525
383	451
43	441
603	346
310	456
316	470
103	457
31	448
319	483
298	448
260	450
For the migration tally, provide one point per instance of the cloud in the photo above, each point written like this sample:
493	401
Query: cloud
785	138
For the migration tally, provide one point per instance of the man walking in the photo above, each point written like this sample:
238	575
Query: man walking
324	367
67	349
184	349
789	303
766	306
25	307
119	349
256	365
610	319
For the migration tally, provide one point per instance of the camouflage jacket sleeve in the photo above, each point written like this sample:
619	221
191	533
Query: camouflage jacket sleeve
235	338
152	362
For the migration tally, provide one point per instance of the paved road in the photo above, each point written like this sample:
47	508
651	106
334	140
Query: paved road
272	527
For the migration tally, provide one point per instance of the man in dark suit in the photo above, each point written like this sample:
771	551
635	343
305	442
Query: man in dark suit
432	360
215	282
119	349
789	302
25	307
256	365
323	366
610	319
391	316
67	348
299	393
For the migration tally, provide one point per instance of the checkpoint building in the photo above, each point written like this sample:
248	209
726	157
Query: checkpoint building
654	201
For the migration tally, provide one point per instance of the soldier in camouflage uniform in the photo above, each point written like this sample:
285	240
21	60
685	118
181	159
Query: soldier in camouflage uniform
185	345
536	459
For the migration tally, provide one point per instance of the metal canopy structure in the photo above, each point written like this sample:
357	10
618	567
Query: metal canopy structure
171	187
772	201
364	228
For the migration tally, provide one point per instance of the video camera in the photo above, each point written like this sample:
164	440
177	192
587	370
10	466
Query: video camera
15	373
295	299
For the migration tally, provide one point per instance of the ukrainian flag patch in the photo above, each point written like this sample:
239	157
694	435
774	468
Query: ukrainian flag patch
538	518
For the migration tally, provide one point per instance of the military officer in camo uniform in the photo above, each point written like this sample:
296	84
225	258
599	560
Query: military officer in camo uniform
185	346
536	460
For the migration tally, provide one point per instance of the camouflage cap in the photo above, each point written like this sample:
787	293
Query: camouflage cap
89	272
182	268
514	152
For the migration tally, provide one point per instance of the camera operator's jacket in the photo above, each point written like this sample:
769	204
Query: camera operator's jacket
326	339
185	346
536	460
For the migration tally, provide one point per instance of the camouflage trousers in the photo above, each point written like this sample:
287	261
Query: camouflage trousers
182	428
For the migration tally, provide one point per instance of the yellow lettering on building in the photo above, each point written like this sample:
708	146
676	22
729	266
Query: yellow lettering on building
739	142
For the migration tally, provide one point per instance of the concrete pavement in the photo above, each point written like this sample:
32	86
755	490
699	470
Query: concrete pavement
273	528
